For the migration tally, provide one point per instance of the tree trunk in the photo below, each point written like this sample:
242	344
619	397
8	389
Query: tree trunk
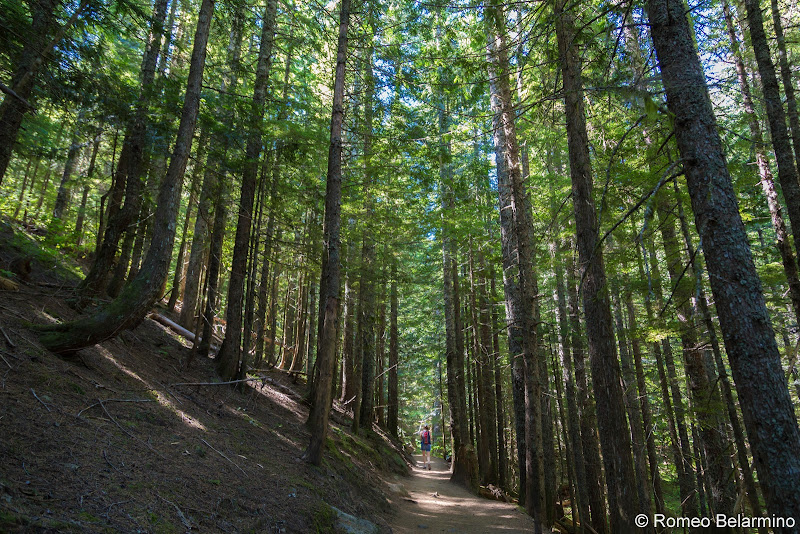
229	361
269	260
64	193
782	241
199	249
329	280
273	303
502	467
487	448
36	51
86	189
787	172
250	296
104	210
586	410
179	279
128	173
515	203
615	438
632	405
348	346
128	310
464	463
23	189
672	404
489	405
394	360
744	321
368	253
212	275
269	245
788	82
741	446
644	400
380	353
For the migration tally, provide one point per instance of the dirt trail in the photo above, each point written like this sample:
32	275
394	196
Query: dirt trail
444	507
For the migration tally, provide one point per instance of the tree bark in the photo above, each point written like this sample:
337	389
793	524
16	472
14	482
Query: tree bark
41	39
128	173
787	172
329	280
586	409
230	361
128	310
615	440
392	414
64	193
515	204
788	82
782	241
744	321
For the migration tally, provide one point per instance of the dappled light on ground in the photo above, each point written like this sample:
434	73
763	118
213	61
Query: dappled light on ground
433	504
162	399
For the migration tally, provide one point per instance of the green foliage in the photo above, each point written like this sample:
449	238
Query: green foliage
432	126
323	519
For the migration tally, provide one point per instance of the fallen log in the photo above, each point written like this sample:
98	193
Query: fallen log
178	329
8	285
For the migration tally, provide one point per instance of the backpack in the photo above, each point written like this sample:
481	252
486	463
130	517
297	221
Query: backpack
426	438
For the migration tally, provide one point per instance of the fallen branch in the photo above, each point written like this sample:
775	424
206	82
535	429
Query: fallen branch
112	400
8	339
178	329
217	383
173	325
105	457
112	505
185	521
288	371
128	433
8	364
37	398
8	285
231	461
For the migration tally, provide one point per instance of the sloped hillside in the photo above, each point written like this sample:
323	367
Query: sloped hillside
125	439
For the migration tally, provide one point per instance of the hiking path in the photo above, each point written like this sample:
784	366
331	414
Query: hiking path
433	504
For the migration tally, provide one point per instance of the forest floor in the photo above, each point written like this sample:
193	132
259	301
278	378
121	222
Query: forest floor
123	438
433	504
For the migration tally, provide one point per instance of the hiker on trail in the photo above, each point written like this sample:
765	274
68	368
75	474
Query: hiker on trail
425	445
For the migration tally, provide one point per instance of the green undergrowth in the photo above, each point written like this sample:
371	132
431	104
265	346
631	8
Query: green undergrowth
324	519
371	447
46	254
